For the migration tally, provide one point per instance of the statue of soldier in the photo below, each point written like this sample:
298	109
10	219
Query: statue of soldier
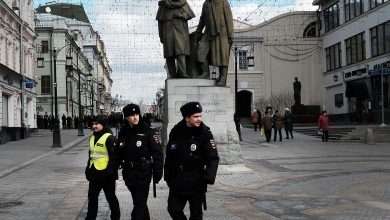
217	38
297	91
172	16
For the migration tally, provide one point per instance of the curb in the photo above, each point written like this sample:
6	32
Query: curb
65	147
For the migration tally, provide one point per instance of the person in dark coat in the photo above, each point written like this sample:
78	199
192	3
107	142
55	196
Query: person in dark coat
278	125
288	123
266	121
102	168
63	119
191	163
142	159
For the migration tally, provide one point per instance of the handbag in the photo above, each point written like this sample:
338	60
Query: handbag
319	131
261	132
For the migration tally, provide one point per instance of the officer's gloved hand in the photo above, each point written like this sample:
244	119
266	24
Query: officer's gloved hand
157	177
87	174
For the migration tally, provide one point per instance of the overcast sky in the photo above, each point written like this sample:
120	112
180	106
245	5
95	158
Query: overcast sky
129	31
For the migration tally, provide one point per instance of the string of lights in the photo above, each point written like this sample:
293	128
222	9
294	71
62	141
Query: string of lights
130	33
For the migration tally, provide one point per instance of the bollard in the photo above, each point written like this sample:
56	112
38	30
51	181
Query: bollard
369	136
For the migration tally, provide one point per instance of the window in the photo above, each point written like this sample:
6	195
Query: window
243	60
45	85
45	46
355	48
331	17
310	30
380	39
339	100
333	57
375	3
353	8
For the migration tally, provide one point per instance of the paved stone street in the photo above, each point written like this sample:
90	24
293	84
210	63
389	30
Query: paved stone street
302	178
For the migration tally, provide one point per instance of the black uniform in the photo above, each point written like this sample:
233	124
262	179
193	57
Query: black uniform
191	163
139	145
103	179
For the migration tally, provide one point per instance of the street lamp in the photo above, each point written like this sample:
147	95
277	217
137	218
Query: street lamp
40	64
383	103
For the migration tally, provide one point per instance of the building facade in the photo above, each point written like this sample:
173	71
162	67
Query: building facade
270	55
17	54
55	43
356	48
97	89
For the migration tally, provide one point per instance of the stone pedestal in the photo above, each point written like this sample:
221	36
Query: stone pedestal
218	110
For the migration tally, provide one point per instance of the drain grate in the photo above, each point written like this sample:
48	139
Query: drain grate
10	204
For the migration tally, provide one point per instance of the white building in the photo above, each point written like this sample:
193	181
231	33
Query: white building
356	48
271	54
17	105
99	101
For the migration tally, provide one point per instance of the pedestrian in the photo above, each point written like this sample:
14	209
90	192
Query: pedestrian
142	159
191	163
267	125
237	122
255	119
102	168
278	124
323	125
259	114
63	118
288	123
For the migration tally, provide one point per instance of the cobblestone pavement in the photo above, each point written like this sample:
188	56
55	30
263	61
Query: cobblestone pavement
302	178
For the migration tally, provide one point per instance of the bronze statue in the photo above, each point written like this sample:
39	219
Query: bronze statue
172	16
214	45
297	91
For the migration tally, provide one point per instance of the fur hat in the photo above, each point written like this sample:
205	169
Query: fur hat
131	109
101	119
190	108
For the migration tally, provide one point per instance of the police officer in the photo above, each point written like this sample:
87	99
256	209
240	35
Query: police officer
102	168
191	163
142	158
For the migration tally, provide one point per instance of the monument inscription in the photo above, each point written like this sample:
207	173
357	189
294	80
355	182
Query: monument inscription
211	107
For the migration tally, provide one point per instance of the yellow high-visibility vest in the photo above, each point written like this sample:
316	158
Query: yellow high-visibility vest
99	154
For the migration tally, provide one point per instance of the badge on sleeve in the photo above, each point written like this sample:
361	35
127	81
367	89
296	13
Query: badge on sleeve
156	139
212	144
139	143
193	147
173	146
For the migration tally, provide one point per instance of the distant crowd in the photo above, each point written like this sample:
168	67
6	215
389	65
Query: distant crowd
115	119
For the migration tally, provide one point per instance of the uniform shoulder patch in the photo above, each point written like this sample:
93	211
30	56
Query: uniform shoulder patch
156	139
213	144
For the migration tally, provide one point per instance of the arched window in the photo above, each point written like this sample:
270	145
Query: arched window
310	30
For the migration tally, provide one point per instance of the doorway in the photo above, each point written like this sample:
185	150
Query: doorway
244	103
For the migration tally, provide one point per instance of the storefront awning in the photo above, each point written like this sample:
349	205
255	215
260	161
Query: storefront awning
356	89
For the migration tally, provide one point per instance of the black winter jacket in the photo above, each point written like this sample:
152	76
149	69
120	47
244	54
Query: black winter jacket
191	159
139	146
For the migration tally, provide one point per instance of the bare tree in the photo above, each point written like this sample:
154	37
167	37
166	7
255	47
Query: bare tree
280	100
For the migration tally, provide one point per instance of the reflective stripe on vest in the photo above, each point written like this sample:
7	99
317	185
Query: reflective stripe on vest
99	154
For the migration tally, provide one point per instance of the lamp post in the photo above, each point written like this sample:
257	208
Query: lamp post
383	103
235	79
68	64
80	125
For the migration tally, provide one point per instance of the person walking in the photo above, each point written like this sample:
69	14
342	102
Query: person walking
102	168
237	122
288	123
267	125
255	119
278	124
191	163
141	157
323	125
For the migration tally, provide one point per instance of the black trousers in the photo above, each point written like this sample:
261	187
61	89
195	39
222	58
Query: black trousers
268	134
93	195
287	132
280	134
140	194
325	135
177	202
255	126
